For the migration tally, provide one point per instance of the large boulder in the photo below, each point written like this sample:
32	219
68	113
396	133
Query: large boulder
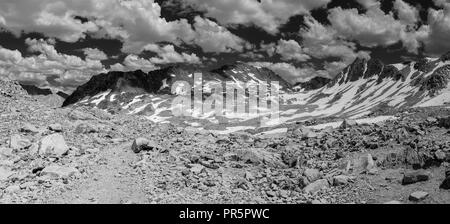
53	145
143	144
415	176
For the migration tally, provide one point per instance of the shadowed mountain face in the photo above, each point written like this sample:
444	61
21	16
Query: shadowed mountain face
130	84
33	90
36	91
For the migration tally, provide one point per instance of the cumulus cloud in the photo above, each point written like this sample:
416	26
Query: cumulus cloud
406	12
439	29
95	54
134	62
212	37
167	54
267	14
376	28
291	50
36	69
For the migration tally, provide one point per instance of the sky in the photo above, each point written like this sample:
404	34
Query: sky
62	43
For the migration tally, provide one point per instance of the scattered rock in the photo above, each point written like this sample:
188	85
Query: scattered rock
415	176
260	156
143	144
53	145
18	142
316	186
78	115
418	196
57	171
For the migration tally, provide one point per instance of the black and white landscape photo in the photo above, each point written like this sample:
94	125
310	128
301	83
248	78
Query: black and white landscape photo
224	102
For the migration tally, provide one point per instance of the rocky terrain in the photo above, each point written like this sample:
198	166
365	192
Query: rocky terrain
86	155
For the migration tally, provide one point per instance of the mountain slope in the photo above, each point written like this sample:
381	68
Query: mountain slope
367	85
115	90
363	88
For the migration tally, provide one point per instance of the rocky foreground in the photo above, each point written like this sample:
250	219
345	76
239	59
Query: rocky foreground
84	155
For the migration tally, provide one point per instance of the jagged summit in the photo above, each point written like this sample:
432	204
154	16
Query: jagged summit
375	69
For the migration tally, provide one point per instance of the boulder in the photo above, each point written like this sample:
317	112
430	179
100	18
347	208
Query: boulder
341	180
5	151
316	186
312	174
347	123
446	183
57	171
444	122
55	127
143	144
85	128
29	128
197	168
230	156
415	176
305	132
5	173
18	142
418	196
53	145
